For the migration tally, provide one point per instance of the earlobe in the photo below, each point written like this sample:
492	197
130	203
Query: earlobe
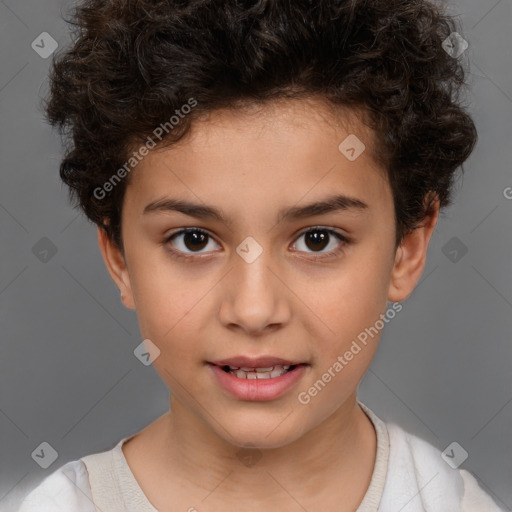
411	257
116	266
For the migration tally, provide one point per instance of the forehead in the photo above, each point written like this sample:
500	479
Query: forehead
285	123
285	150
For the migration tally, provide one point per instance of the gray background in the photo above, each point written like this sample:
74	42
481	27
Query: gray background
68	375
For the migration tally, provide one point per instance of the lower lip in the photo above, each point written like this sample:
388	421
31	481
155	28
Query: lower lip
258	390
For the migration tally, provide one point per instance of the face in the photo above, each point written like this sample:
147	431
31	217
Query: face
260	272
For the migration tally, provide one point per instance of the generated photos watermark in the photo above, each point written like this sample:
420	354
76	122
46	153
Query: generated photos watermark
304	397
137	156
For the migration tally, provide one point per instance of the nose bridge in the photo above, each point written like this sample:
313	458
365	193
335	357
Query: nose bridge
253	299
252	268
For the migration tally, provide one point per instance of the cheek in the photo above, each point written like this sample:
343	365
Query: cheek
350	304
353	298
170	317
168	301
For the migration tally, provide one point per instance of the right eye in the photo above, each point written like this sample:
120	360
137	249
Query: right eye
188	239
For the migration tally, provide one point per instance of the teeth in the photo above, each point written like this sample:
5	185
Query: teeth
259	373
268	369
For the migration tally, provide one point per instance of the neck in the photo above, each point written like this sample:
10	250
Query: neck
325	457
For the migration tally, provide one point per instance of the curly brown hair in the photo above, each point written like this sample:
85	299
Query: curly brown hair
134	63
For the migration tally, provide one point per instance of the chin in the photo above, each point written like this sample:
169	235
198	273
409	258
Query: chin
264	434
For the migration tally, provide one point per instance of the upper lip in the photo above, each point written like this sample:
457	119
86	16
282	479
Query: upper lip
257	362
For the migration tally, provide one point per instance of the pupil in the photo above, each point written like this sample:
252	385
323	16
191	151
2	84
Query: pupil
319	239
198	240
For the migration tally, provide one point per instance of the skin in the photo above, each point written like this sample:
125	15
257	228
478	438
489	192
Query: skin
285	303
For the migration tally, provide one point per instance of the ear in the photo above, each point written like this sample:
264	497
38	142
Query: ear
411	256
116	266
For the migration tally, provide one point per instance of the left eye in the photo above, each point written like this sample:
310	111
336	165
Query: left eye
196	239
317	238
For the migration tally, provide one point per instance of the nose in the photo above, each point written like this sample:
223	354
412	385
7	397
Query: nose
254	296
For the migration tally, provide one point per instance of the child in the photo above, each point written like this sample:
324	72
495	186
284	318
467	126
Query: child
265	177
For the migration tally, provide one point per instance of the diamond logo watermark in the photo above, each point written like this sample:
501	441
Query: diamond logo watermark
351	147
146	352
454	455
249	456
44	45
454	249
454	45
45	455
44	250
249	249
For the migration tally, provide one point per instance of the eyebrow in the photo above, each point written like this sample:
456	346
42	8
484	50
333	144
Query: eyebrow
331	204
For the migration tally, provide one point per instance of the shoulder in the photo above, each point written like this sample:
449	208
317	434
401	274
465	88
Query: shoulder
65	489
70	488
419	476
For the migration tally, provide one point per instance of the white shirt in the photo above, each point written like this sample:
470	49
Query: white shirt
409	475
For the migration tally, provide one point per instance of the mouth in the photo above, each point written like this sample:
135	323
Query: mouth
264	378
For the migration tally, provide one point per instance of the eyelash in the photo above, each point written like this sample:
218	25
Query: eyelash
179	254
